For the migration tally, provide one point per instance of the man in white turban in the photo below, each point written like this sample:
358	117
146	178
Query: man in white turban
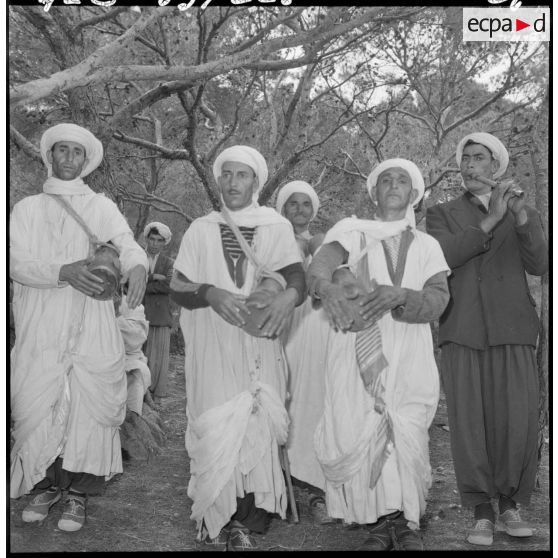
488	335
380	282
235	381
158	309
305	342
68	383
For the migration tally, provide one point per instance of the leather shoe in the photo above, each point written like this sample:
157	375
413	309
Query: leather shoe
379	537
405	538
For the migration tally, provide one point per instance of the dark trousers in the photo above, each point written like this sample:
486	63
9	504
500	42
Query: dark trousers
492	399
80	482
249	515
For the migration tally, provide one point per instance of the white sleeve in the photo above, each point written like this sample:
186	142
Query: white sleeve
186	260
131	253
26	268
434	262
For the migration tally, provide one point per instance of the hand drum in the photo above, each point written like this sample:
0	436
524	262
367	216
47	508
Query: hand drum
354	292
106	265
260	294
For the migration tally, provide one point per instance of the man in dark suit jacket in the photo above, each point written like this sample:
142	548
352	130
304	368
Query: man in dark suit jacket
157	308
488	334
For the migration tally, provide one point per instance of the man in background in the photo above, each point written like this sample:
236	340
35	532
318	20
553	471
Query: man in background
157	308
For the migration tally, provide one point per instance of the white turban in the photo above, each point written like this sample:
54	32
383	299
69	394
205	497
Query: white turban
297	187
416	177
247	155
162	229
492	143
71	132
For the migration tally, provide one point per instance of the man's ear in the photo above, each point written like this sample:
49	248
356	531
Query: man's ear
49	156
494	165
414	195
374	194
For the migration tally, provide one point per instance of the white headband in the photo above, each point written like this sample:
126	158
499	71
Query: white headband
247	155
162	229
416	177
297	187
72	132
492	143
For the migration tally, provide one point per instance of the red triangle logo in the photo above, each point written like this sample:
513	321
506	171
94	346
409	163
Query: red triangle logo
519	25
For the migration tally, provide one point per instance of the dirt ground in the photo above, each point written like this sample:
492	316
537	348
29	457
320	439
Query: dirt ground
147	508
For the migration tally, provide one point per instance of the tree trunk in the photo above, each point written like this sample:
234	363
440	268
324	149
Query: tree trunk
541	203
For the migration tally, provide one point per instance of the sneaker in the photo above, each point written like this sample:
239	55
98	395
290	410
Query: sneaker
73	516
405	537
319	511
379	537
482	533
240	540
219	543
39	507
510	521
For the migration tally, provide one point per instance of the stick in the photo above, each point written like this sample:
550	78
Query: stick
290	491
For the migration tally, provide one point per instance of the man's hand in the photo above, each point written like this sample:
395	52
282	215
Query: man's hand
335	303
498	205
279	308
80	278
158	277
381	300
516	204
136	280
228	305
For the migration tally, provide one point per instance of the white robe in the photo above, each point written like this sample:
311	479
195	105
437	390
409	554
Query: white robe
235	383
134	329
305	349
68	385
345	437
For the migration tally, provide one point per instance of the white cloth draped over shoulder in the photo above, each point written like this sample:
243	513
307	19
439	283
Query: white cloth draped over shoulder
347	432
68	385
134	329
235	383
305	347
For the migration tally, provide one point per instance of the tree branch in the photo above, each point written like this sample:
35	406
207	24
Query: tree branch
25	145
165	152
111	14
87	71
90	72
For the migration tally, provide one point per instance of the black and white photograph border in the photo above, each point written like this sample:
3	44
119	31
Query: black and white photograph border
325	93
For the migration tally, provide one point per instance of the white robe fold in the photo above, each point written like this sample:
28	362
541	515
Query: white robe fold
347	432
305	348
134	329
233	428
68	385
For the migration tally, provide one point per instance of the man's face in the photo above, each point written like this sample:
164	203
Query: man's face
237	183
477	159
298	209
67	159
155	243
394	190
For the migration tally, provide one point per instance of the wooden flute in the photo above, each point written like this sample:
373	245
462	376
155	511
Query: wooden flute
492	183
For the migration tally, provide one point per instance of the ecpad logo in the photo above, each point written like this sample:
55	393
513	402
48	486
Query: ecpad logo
503	24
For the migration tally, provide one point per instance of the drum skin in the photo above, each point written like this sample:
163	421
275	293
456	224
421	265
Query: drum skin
106	265
260	294
355	293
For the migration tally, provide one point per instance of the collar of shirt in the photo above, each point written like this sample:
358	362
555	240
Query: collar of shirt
152	261
484	198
